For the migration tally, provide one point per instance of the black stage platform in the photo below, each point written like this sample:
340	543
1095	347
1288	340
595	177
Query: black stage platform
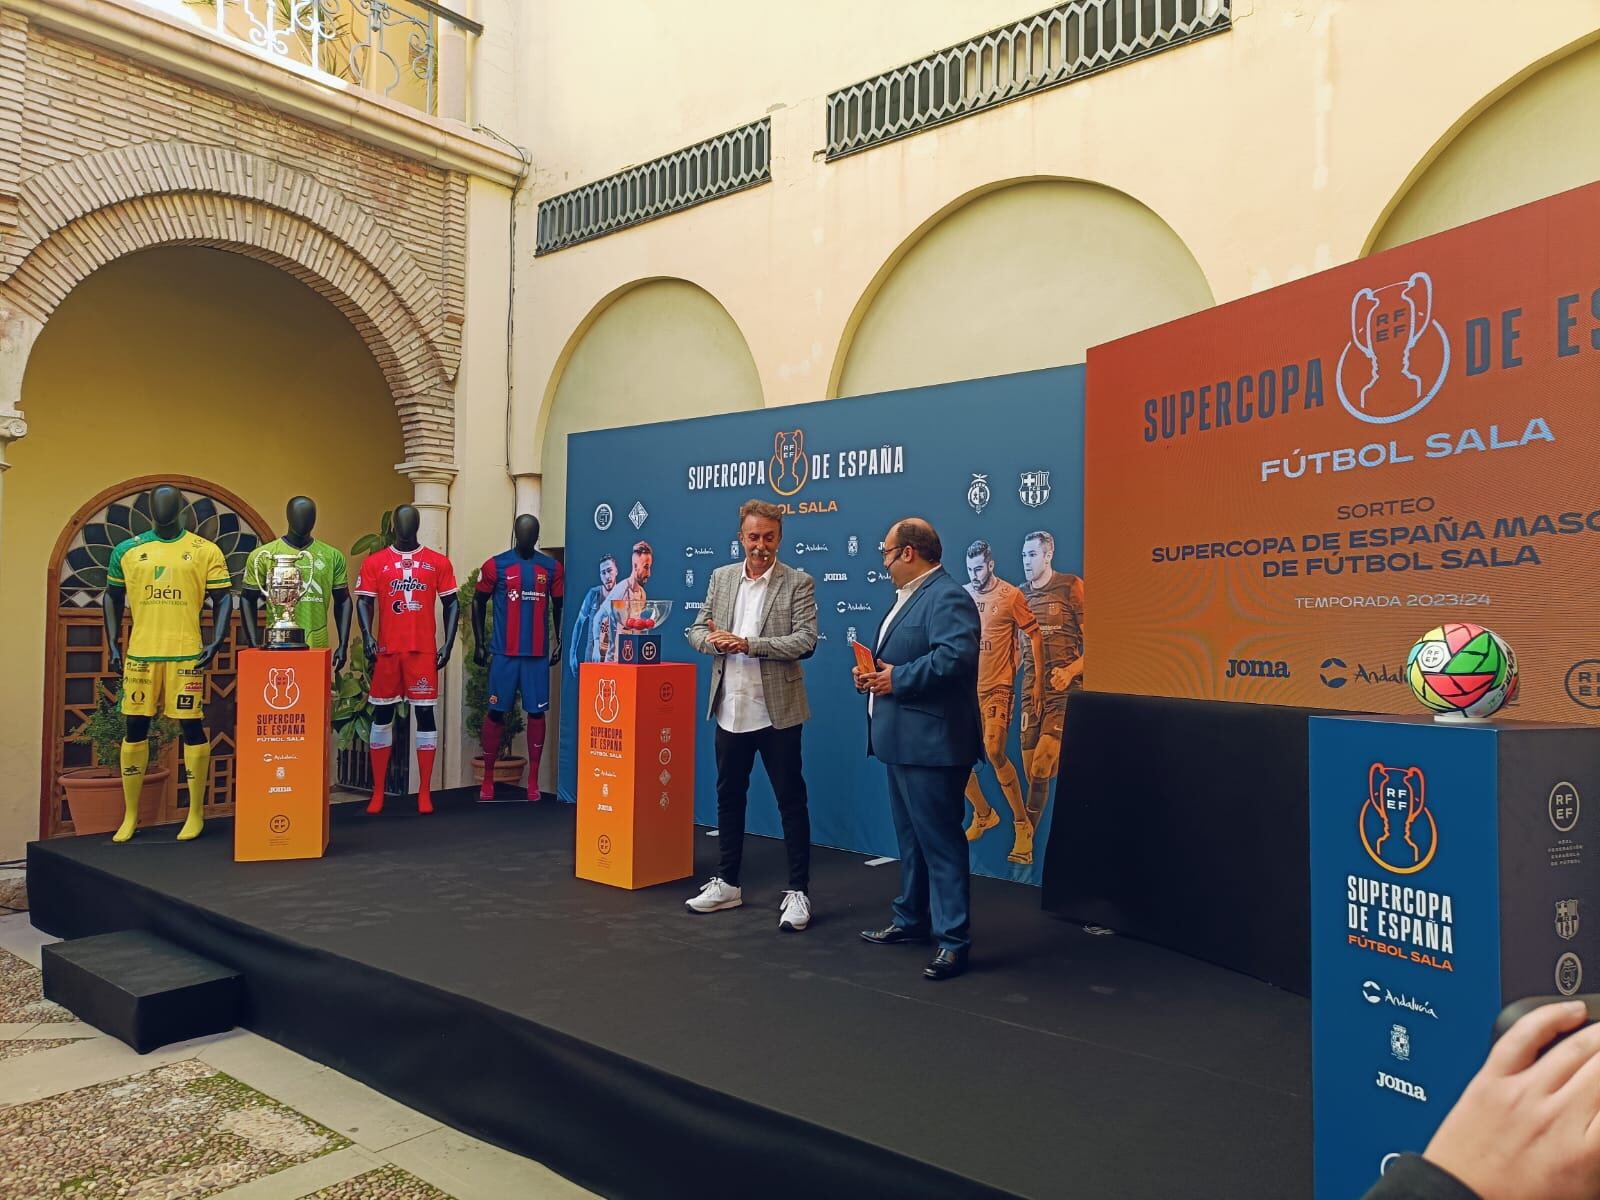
455	963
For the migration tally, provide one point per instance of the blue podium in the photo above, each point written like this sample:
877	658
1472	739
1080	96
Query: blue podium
1449	876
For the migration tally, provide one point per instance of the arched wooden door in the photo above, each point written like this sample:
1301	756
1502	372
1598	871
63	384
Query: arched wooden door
76	674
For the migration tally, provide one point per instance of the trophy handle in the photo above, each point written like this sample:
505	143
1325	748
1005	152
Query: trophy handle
1422	314
1361	307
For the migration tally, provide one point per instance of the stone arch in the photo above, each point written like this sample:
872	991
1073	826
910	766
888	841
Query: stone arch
663	322
79	215
996	222
1449	184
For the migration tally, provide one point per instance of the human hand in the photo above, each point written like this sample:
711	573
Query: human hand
879	682
1528	1128
114	658
721	640
1060	678
480	657
208	653
338	659
369	647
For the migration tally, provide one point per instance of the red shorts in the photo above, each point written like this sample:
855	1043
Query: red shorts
409	675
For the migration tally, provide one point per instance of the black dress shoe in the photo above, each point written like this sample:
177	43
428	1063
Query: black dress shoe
946	964
891	934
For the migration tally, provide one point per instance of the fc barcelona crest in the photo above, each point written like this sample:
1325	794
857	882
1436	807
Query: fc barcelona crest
1567	919
1034	490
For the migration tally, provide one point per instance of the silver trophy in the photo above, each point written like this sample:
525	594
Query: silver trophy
286	587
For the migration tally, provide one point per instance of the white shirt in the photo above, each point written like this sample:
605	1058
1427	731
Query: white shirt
901	595
743	706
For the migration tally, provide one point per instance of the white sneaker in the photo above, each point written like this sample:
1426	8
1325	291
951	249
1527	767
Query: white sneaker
796	912
714	896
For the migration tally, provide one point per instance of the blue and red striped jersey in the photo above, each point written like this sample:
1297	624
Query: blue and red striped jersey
522	589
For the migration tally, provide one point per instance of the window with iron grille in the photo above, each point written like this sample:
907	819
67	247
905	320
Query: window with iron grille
719	166
1057	46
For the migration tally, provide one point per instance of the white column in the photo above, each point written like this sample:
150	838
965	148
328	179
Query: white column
430	496
17	335
529	493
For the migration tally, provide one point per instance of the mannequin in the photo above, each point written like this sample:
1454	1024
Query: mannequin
163	578
527	588
407	578
325	570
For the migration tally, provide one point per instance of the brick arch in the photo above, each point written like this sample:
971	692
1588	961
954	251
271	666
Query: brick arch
80	215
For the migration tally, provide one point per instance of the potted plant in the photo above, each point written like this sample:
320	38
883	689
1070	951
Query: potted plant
94	794
508	768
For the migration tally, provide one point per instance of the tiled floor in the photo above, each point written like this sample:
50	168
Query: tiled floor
234	1116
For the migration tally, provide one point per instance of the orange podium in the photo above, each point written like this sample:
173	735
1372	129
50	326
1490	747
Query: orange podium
636	729
281	751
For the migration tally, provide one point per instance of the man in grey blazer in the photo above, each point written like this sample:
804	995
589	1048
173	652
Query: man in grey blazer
759	621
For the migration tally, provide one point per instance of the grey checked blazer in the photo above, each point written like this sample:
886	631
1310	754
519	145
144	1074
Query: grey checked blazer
788	634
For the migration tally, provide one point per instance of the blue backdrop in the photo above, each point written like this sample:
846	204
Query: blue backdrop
993	459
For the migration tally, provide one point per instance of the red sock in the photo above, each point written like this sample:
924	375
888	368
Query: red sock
427	747
493	732
535	752
382	747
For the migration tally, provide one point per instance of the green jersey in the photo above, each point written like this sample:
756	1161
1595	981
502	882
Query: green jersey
321	566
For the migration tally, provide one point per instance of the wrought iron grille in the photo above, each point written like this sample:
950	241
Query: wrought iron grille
386	46
719	166
1059	45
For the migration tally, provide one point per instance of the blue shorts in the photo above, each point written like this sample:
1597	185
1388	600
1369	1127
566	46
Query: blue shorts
508	676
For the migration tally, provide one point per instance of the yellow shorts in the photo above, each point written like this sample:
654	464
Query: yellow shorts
181	684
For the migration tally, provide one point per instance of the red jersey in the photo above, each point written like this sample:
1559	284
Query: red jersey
406	586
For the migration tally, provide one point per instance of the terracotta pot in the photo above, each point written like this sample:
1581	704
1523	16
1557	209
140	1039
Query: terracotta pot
507	768
94	798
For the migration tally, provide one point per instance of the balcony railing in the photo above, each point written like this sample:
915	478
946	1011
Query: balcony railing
1057	46
718	166
391	47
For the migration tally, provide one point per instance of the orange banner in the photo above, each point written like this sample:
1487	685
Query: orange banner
636	727
282	754
1283	493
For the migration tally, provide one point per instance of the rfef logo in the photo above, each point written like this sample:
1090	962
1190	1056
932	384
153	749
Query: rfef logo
1396	826
788	469
606	703
281	691
1402	354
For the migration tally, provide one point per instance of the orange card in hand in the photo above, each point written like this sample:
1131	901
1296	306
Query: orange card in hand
864	658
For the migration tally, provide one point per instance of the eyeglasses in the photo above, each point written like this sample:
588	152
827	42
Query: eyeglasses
886	551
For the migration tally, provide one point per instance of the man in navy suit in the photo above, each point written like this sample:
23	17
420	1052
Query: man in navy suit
924	725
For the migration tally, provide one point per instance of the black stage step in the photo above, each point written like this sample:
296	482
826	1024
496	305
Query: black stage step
454	963
141	989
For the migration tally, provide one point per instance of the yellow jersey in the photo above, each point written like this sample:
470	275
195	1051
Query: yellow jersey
167	584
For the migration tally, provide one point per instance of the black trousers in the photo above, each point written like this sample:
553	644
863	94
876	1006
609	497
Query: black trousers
780	755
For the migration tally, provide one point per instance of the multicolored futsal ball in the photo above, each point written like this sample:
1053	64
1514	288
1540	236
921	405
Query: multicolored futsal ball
1464	670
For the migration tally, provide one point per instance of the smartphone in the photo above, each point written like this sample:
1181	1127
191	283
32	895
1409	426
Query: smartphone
1517	1009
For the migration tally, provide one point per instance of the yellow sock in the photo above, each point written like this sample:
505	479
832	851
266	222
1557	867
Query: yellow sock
197	761
135	758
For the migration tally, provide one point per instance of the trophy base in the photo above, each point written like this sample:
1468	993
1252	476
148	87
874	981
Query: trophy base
286	639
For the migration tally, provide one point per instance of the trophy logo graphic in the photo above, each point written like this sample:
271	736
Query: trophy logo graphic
1402	354
606	703
1396	826
281	691
788	469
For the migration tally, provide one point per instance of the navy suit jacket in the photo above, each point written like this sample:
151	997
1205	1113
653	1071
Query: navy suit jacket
931	719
